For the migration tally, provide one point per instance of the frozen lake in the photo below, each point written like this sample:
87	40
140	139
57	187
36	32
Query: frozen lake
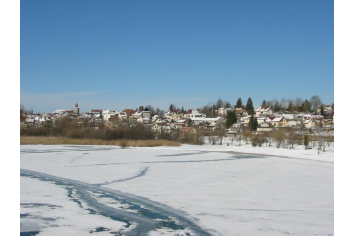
188	190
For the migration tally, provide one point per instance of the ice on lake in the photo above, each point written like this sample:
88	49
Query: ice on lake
187	190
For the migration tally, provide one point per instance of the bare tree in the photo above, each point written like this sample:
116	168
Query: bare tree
291	137
285	103
221	132
279	136
315	102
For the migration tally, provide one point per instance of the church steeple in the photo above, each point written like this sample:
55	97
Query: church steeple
76	108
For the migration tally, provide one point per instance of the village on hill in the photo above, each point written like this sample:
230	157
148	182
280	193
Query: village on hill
269	122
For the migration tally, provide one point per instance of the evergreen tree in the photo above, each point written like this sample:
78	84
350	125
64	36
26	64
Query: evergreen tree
249	106
250	123
239	103
322	112
190	123
140	108
255	124
264	103
231	119
172	107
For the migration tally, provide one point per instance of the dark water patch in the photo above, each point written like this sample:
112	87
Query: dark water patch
71	197
29	233
164	221
145	219
99	229
31	205
24	215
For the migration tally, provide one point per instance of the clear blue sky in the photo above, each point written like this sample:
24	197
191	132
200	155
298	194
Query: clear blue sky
113	54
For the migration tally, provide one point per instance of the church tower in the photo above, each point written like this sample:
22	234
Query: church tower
76	109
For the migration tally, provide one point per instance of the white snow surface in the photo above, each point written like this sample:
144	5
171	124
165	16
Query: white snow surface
227	190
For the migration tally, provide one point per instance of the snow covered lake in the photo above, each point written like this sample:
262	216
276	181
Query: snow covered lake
187	190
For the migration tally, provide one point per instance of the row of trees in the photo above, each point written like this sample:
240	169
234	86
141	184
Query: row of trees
298	104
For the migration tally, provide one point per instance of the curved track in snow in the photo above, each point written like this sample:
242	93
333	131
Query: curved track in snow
149	216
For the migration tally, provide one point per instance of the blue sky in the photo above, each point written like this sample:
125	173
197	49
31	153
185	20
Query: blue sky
114	54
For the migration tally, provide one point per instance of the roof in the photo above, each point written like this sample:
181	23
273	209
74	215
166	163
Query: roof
277	119
129	112
96	110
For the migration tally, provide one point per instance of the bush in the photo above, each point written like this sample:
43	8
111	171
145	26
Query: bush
123	143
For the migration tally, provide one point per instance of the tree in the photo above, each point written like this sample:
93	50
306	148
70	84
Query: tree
190	123
140	108
285	103
250	122
227	105
22	109
279	136
246	135
291	137
219	103
315	102
306	141
253	123
239	103
172	107
221	132
306	106
231	119
290	106
264	103
322	112
249	106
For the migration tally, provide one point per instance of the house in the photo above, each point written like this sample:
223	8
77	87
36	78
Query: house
173	115
261	120
96	113
264	111
279	122
143	120
193	114
181	123
327	109
137	115
213	121
122	115
146	114
161	128
265	127
241	112
107	116
223	111
129	112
